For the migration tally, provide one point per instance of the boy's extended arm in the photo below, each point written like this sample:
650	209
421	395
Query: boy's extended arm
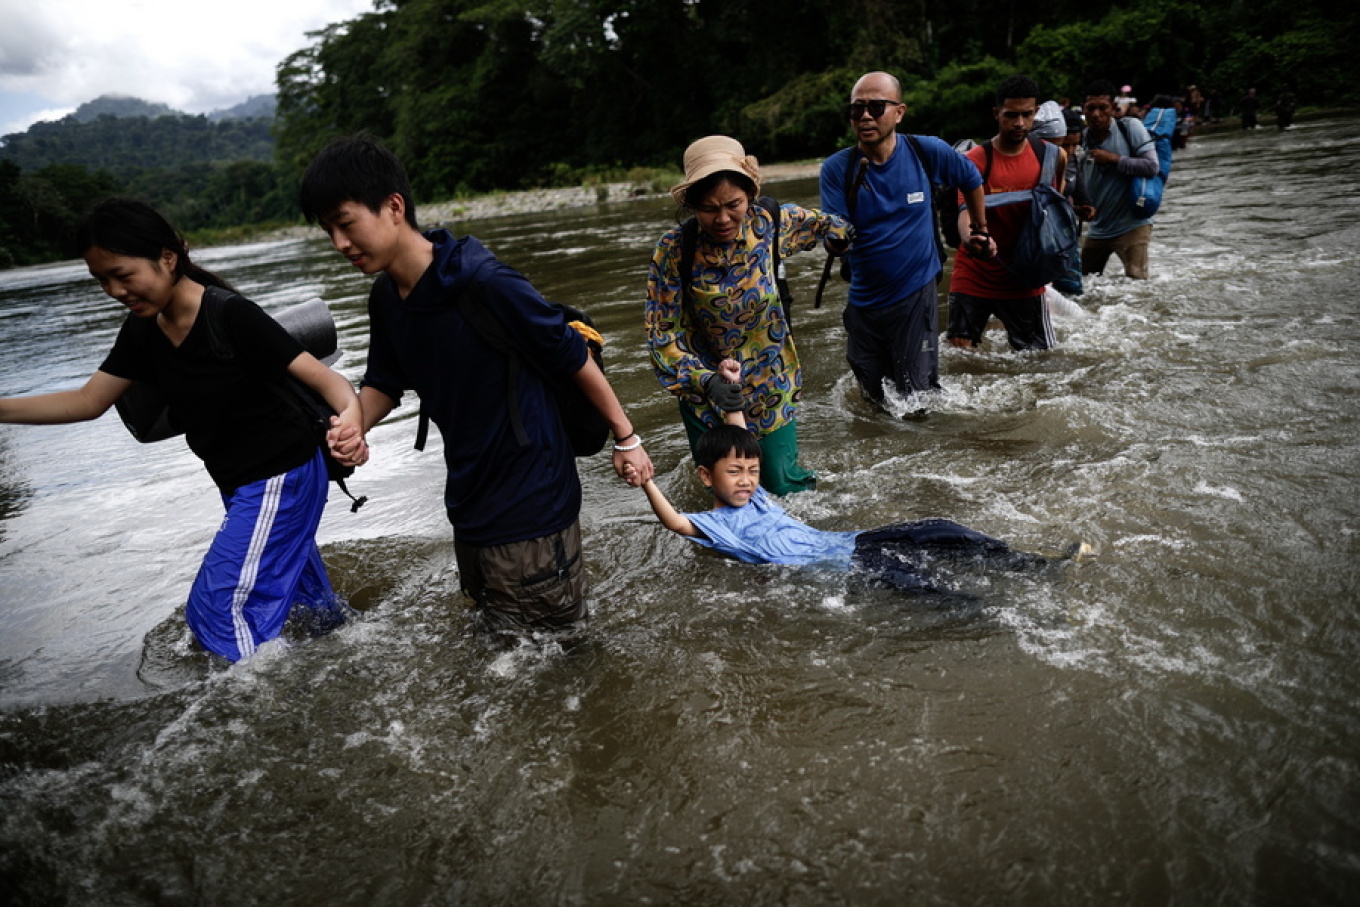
600	393
671	518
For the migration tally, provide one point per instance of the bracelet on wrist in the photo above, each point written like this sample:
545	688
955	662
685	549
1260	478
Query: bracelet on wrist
624	448
619	439
978	228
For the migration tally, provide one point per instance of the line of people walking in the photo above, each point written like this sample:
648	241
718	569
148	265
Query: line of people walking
719	333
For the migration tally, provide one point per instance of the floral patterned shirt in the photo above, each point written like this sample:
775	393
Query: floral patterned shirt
734	310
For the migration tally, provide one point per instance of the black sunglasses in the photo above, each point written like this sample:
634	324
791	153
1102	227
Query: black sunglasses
856	109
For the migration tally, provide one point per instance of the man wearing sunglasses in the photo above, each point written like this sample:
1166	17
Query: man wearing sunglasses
883	185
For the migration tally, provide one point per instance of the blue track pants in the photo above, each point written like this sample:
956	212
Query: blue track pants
262	561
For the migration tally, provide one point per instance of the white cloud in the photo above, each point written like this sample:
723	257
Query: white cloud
194	55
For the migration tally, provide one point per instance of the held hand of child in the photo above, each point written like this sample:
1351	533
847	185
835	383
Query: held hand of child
633	466
729	370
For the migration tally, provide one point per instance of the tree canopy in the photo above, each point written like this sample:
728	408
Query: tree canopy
483	94
479	95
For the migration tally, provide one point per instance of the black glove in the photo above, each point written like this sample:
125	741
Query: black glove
726	397
840	246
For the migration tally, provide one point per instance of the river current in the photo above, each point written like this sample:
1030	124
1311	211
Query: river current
1173	720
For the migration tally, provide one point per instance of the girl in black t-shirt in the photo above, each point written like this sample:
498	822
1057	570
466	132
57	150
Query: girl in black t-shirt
260	451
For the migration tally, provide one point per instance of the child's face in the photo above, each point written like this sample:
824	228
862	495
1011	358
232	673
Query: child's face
732	480
366	237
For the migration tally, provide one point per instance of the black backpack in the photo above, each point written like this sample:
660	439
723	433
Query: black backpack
689	241
143	409
587	430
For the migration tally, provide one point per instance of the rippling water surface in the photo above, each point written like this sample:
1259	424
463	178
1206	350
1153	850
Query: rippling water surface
1173	720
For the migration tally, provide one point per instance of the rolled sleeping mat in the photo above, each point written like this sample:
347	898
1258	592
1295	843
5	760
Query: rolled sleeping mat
311	324
142	406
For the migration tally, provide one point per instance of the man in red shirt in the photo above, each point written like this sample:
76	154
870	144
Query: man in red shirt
982	287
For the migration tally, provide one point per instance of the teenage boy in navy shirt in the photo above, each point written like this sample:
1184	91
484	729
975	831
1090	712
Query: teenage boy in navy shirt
514	502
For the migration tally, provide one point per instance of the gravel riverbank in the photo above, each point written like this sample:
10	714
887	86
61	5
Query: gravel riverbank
533	201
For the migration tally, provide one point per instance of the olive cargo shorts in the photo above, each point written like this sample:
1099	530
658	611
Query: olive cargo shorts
537	584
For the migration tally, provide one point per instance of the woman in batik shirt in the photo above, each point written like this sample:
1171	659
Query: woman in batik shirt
723	343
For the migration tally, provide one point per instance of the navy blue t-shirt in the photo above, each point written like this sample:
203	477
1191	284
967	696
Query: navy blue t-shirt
498	491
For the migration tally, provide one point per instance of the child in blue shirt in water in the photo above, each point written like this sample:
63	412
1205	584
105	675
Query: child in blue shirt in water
747	525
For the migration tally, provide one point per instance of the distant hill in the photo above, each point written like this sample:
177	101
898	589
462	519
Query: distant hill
259	107
127	136
116	105
256	107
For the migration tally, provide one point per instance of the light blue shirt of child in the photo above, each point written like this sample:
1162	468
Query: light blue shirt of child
762	533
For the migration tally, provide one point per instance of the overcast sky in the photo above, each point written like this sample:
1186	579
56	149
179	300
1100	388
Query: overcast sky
194	55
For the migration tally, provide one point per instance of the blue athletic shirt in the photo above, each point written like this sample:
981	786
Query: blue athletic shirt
762	533
894	254
497	492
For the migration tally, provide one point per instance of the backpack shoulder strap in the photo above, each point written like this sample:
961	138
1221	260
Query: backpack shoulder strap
781	282
689	241
930	198
1047	155
210	310
772	208
856	172
1124	131
422	417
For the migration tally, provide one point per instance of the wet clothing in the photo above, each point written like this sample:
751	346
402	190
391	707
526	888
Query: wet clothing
262	561
734	310
1027	321
897	343
501	496
496	491
762	533
1107	185
264	456
521	586
983	287
894	260
233	416
1130	247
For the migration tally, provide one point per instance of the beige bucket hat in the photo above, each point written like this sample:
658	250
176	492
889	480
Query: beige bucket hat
712	154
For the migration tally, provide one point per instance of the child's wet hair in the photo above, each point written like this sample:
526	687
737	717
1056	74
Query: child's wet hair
724	441
355	168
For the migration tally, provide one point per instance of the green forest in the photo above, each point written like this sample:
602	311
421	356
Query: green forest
480	95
